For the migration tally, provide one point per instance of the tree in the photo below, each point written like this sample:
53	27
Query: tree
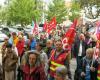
74	11
58	9
23	11
88	6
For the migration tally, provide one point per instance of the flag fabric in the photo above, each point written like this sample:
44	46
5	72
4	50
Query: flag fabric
96	52
96	49
35	29
51	25
98	30
45	26
69	35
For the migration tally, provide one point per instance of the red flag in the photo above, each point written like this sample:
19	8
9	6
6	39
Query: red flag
98	33
70	34
98	30
45	26
51	25
35	30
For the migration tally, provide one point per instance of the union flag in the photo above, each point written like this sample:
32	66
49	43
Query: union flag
51	25
35	30
45	26
69	35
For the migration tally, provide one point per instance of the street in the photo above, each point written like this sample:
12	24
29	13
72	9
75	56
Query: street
73	67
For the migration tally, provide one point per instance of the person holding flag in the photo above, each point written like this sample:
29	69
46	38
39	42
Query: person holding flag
58	58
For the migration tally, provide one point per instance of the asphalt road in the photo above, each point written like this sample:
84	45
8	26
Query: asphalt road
73	67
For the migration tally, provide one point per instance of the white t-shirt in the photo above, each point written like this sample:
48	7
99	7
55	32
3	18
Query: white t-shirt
80	49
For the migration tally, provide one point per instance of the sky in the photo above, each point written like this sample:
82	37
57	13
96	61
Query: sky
1	2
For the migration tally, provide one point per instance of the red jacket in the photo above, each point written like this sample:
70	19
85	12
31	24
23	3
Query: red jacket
57	61
36	73
20	47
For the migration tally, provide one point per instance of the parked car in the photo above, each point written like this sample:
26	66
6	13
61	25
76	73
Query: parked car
27	30
20	29
5	30
2	36
11	30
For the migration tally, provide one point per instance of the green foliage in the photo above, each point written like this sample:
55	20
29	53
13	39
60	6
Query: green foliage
23	11
74	10
57	9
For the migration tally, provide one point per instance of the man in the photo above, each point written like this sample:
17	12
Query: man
79	48
9	63
58	58
49	45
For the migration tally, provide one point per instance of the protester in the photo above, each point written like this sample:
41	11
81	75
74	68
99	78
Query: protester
61	73
49	47
9	60
13	39
33	70
43	56
20	46
32	42
5	43
58	58
88	66
80	48
3	48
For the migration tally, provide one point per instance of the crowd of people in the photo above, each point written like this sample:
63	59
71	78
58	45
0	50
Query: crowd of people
45	58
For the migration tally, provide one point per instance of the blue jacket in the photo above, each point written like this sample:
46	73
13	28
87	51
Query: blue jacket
33	44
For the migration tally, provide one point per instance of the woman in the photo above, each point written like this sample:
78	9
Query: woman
88	66
33	69
20	46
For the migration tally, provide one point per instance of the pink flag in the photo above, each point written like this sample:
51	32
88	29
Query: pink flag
35	30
